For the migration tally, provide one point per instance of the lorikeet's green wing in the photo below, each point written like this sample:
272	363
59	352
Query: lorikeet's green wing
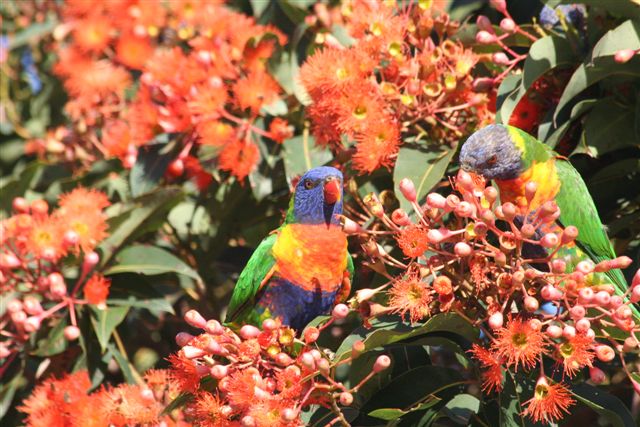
350	267
577	208
248	284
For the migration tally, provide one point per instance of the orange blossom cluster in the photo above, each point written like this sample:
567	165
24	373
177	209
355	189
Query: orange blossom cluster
520	279
34	245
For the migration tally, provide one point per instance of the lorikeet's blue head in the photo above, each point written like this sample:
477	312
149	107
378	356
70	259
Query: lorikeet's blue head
318	197
491	152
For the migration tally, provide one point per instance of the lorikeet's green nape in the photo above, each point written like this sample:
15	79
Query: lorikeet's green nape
302	269
512	158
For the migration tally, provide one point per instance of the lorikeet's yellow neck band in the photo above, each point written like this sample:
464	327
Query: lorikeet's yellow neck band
544	174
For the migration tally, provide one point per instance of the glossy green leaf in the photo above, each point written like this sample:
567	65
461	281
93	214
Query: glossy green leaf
125	366
461	408
17	186
182	399
133	218
423	166
8	390
390	414
608	127
105	322
54	342
150	261
301	154
604	404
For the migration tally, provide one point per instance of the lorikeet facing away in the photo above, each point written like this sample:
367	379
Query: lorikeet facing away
302	269
512	157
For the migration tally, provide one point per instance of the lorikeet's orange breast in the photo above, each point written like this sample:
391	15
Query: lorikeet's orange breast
311	255
544	174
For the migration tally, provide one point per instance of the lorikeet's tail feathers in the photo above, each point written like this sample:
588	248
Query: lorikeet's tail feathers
620	283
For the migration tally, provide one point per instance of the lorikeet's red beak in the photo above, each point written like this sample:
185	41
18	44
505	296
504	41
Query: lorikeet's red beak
332	191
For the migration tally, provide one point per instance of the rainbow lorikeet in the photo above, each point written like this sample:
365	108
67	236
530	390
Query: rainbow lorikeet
302	269
511	157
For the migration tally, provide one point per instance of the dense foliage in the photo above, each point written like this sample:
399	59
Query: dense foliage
148	146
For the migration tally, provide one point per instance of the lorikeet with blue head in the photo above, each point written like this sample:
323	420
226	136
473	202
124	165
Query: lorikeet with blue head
302	269
511	158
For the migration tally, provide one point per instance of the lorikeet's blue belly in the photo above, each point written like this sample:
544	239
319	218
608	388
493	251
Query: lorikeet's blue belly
293	305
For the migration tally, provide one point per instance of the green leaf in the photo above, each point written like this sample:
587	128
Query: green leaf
54	343
150	261
604	404
511	401
124	364
8	390
609	127
151	163
12	187
130	219
387	330
461	408
424	167
105	322
258	7
508	92
601	64
390	414
182	399
301	154
545	54
33	33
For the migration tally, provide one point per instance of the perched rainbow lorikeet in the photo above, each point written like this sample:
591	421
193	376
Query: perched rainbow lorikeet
511	157
302	269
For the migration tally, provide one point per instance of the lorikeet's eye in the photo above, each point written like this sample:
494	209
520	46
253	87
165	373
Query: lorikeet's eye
308	184
492	160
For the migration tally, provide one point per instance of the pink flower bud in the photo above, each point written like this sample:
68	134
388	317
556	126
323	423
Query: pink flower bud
499	5
71	333
436	236
623	312
70	239
531	304
585	295
289	415
507	25
621	262
18	317
584	267
577	312
219	371
569	332
602	298
283	359
57	286
308	360
436	200
636	278
549	240
214	347
597	375
32	324
20	205
400	217
485	37
191	352
554	331
452	202
14	306
248	421
323	366
269	325
4	351
90	260
496	320
630	344
583	325
535	324
624	55
340	311
195	319
311	335
558	266
346	399
407	189
32	306
357	348
483	23
213	327
249	331
462	249
604	353
500	58
9	261
183	338
550	293
482	84
147	394
464	210
616	301
382	363
491	194
569	234
590	334
351	227
509	211
635	294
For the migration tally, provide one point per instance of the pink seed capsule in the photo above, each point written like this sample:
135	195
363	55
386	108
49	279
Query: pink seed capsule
585	295
496	320
311	335
604	353
554	331
71	333
535	324
382	363
219	371
288	415
509	211
214	327
408	190
507	25
630	344
323	366
464	210
462	249
195	319
583	325
269	325
577	312
32	324
550	293
485	37
558	266
32	306
452	202
436	236
436	200
89	261
623	312
491	194
340	312
569	234
214	347
400	217
602	298
597	375
584	267
527	230
70	239
249	331
531	304
590	334
191	352
20	205
308	360
616	301
549	240
183	338
569	332
346	399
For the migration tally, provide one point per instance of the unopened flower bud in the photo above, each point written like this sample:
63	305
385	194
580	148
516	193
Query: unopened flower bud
630	344
531	304
624	55
57	286
500	58
436	236
558	266
597	375
499	5
400	217
462	249
585	295
382	363
485	37
89	261
550	293
18	317
340	311
569	234
183	338
509	211
308	360
623	312
269	325
549	240
496	320
32	306
584	267
14	306
249	331
568	332
71	333
507	25
39	207
70	238
408	190
195	319
604	353
482	84
357	348
554	331
583	325
20	205
31	324
248	421
483	23
311	334
635	294
191	352
213	327
289	415
602	298
346	398
9	261
464	210
219	371
577	312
